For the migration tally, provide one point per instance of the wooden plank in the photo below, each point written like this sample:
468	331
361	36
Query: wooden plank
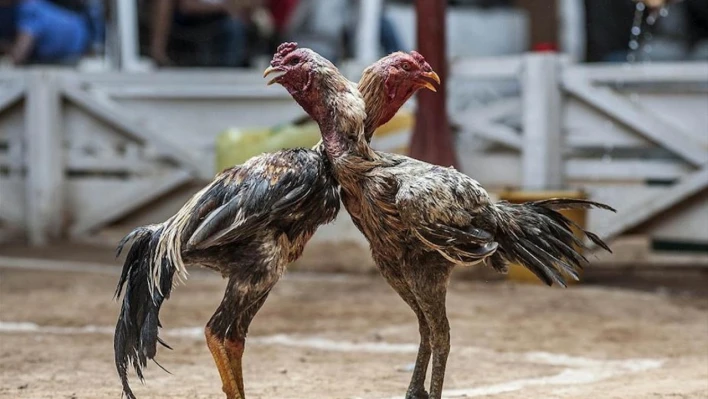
491	68
505	169
679	72
10	94
113	114
45	167
502	108
138	194
76	163
624	170
495	132
207	91
647	124
542	164
647	208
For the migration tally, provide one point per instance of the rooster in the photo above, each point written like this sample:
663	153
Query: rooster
422	220
248	224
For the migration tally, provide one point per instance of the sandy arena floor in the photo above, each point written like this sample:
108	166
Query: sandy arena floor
352	337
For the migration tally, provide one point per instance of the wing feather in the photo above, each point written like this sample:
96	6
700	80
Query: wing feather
440	206
253	195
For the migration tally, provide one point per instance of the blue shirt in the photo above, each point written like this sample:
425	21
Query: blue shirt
58	33
7	22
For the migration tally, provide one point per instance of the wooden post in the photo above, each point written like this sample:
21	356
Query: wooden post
542	151
44	159
432	139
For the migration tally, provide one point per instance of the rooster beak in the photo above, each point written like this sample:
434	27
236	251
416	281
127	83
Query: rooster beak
425	83
271	70
432	75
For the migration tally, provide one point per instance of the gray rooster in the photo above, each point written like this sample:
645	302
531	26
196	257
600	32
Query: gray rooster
423	220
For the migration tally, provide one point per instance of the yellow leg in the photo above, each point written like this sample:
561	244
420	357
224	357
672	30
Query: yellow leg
234	349
230	382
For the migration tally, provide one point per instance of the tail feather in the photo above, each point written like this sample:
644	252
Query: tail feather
537	236
136	336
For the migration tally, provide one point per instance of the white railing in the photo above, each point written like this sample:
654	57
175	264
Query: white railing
81	151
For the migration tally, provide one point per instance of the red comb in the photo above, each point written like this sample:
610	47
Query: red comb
283	50
416	56
420	60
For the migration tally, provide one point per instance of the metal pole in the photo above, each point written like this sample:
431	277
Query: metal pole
127	25
368	29
432	139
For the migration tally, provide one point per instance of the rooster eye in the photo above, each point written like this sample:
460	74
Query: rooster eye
294	60
406	66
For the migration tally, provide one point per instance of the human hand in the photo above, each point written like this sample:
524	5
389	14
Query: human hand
263	20
657	3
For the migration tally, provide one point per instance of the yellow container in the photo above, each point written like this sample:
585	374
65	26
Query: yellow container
519	273
235	146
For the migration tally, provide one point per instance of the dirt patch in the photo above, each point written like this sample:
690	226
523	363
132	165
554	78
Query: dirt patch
321	337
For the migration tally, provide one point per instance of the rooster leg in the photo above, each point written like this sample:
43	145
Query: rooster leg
234	351
430	288
416	388
221	358
235	343
440	330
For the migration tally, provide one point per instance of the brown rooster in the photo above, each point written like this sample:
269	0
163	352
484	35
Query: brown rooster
422	220
248	224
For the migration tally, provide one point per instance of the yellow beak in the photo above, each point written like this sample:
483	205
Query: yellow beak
426	84
432	75
269	71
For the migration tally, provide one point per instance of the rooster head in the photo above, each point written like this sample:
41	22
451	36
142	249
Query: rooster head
295	67
389	82
407	73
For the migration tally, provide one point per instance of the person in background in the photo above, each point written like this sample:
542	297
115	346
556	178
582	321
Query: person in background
281	11
320	25
390	40
45	33
215	32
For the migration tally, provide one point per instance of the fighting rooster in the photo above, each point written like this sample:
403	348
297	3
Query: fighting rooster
422	220
248	224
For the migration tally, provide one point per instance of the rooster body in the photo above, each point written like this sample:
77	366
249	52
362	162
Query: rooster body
248	224
422	220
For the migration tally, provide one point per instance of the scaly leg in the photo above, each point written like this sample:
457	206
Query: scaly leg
234	351
220	354
440	330
235	343
416	388
430	289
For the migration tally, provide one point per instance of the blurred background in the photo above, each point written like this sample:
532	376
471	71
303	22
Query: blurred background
113	113
133	104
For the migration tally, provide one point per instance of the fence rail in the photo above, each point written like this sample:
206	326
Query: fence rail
81	151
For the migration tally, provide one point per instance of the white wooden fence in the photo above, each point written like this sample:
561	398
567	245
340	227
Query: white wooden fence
632	135
81	151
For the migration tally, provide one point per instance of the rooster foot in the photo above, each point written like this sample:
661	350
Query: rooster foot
417	395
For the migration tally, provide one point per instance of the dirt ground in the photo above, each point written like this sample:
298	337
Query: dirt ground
337	336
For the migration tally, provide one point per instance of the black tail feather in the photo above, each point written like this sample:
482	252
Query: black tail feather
136	336
541	239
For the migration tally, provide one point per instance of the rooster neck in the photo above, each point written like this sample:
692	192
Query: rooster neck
340	114
373	89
